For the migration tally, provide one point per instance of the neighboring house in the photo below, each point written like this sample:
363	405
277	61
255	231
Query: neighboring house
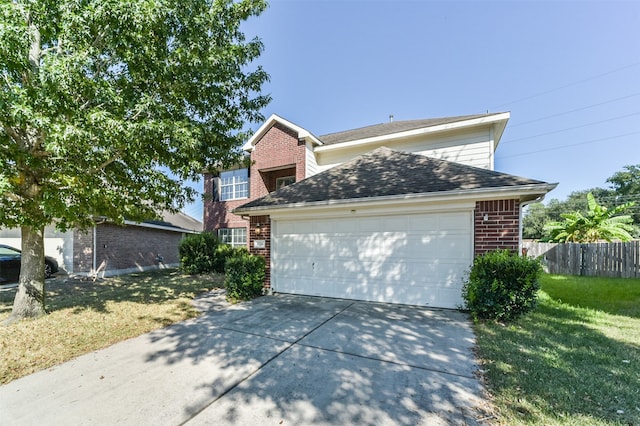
394	212
108	249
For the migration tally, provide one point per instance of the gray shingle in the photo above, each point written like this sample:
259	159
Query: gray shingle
385	172
392	127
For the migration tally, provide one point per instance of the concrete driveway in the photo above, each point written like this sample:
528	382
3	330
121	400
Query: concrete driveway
281	360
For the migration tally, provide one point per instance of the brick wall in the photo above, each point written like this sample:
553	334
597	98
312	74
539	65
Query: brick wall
82	250
278	147
496	225
125	247
264	234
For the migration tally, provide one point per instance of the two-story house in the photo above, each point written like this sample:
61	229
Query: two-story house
393	212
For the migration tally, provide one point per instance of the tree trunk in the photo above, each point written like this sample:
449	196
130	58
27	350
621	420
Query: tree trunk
29	300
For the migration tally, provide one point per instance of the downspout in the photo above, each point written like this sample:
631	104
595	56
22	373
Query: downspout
95	246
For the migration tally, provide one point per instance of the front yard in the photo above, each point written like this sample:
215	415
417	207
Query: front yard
85	316
574	360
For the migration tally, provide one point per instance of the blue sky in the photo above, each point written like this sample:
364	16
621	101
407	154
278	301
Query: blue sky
569	73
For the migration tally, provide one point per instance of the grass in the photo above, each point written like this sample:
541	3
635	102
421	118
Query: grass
575	360
85	316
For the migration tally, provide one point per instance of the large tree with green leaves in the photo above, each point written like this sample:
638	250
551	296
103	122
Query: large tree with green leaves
599	223
108	106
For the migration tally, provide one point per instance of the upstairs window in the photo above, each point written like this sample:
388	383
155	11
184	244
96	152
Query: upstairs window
281	182
234	184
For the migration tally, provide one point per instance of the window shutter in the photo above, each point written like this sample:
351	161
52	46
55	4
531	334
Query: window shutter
216	189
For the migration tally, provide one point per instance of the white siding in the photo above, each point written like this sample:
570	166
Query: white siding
311	164
58	245
470	148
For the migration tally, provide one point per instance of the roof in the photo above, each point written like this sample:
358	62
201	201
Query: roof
394	127
271	121
385	173
178	221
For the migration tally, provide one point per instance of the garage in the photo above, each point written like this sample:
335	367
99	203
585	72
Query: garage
387	226
417	259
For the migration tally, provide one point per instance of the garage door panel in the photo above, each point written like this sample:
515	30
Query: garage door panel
413	259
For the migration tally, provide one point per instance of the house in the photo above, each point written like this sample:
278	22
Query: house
109	249
393	212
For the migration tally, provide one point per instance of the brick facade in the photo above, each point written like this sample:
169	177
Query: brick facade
264	224
278	147
124	248
217	214
277	154
496	225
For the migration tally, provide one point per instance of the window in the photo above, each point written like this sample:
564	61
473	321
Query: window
281	182
234	184
236	237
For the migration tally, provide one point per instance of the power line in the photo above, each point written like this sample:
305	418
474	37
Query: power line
569	145
559	114
566	86
575	127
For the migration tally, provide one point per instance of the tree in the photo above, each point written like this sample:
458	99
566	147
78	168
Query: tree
100	98
599	223
626	186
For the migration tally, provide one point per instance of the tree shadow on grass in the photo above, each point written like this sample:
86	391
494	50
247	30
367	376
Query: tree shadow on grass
555	363
152	287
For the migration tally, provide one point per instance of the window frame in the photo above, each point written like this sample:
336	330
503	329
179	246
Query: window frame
233	185
282	179
232	237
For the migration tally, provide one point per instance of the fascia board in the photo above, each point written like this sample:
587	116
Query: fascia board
523	191
274	118
500	120
160	227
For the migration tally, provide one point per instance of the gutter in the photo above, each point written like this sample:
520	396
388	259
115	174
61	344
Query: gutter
491	119
478	194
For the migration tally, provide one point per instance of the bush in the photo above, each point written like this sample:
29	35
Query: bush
197	253
502	286
244	276
224	251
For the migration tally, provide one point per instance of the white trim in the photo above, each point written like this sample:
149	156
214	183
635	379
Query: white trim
499	120
161	227
480	194
302	132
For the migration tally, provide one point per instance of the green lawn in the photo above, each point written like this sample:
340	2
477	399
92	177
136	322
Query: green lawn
575	360
85	316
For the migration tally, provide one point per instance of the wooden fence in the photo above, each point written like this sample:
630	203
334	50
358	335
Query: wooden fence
592	259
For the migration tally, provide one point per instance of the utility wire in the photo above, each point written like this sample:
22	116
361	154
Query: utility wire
559	114
566	86
575	127
568	145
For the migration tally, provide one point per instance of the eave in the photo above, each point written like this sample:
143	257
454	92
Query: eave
273	119
499	122
525	193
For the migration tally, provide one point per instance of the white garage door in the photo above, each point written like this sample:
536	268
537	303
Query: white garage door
417	259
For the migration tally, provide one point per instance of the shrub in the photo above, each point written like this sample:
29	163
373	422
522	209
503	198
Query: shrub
502	286
221	253
197	253
244	276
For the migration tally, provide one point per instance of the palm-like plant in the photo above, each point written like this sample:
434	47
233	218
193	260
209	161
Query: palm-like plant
599	223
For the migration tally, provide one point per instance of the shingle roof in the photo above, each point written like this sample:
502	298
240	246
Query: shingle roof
177	220
385	172
392	127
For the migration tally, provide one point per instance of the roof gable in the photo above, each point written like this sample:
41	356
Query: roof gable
386	173
271	121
